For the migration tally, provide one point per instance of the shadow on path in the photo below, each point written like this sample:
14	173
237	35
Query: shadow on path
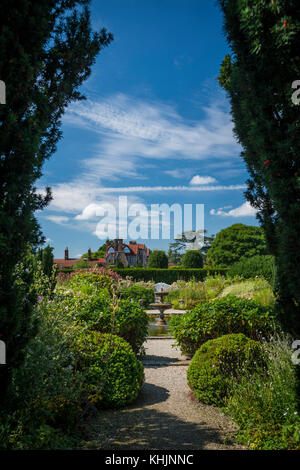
151	429
143	426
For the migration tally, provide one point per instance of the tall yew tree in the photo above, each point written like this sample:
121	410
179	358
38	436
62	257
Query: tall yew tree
264	36
46	50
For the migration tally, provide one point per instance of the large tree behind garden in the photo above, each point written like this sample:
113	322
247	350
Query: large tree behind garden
264	36
235	242
46	51
158	259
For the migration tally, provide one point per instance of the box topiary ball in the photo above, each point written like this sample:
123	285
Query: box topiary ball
217	363
113	374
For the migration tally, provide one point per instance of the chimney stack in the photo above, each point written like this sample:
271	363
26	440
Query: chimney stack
67	253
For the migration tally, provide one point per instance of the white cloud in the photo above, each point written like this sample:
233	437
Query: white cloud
57	219
202	180
146	189
245	210
137	129
136	135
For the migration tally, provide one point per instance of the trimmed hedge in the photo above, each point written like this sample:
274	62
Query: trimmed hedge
169	275
214	318
112	372
216	364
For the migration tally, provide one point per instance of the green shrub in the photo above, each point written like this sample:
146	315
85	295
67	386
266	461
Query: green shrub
113	373
138	293
158	259
46	393
192	259
218	317
260	265
214	366
98	312
89	283
265	403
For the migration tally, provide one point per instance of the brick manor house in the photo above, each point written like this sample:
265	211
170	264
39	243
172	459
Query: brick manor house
131	254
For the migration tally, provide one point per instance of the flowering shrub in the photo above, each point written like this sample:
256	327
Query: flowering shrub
65	276
215	366
96	311
113	373
265	403
218	317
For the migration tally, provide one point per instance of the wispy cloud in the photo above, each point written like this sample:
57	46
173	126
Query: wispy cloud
139	129
245	210
57	219
147	189
202	180
135	136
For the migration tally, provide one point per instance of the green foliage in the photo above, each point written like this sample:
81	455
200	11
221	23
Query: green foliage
45	256
96	311
113	373
192	259
264	403
100	253
187	294
254	266
45	394
90	282
158	259
258	289
138	293
234	242
264	39
215	318
81	264
46	52
216	364
169	275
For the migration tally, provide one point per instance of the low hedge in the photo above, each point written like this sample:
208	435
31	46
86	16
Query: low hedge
215	365
169	275
214	318
113	373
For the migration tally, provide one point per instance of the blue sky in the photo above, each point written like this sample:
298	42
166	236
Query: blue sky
155	127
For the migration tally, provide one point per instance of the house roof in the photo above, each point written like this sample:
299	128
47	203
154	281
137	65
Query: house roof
68	263
65	263
133	246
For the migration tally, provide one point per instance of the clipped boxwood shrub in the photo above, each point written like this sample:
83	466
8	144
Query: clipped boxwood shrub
218	317
254	266
97	311
113	373
137	293
216	363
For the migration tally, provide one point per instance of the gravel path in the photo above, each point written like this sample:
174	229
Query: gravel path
165	416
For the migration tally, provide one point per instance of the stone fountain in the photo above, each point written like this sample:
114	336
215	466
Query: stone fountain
161	306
